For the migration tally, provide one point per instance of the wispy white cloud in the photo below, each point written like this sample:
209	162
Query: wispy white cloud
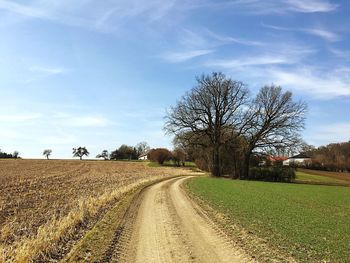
312	81
108	15
288	65
91	14
194	40
325	34
275	6
103	19
324	133
182	56
235	40
47	70
340	52
202	42
248	61
319	32
19	117
22	9
311	6
280	54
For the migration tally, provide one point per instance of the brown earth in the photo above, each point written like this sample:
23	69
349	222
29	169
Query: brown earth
164	225
44	204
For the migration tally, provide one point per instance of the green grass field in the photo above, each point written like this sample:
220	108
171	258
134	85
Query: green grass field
310	222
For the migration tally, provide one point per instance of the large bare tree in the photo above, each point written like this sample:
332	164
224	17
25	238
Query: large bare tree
273	120
210	111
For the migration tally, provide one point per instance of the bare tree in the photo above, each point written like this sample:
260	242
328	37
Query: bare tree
209	112
332	157
47	153
80	152
104	154
15	154
142	148
179	156
274	120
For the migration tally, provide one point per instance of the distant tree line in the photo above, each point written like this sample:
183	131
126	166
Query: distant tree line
222	127
126	152
159	155
14	155
332	157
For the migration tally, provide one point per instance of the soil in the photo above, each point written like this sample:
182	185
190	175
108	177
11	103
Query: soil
164	225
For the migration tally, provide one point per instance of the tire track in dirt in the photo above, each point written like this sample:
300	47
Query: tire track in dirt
164	225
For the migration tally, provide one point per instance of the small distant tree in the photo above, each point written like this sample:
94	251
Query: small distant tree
80	152
142	148
160	155
103	155
15	154
47	153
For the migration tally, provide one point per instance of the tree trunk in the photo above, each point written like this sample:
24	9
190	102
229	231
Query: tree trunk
245	166
216	163
81	157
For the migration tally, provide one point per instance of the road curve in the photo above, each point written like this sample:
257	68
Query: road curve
167	226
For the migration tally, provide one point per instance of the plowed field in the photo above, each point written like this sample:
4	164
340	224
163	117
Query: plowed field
45	204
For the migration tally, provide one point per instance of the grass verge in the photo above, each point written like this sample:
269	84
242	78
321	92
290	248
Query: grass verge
306	222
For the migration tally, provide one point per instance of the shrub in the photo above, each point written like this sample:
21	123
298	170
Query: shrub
160	155
272	174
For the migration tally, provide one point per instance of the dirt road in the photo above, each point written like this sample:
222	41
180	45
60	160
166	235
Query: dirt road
166	226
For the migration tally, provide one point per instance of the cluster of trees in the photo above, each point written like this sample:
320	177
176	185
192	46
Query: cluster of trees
15	154
332	157
160	155
221	126
125	152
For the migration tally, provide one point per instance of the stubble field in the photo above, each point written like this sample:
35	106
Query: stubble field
46	204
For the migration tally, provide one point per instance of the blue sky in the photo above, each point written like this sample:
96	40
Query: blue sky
102	73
